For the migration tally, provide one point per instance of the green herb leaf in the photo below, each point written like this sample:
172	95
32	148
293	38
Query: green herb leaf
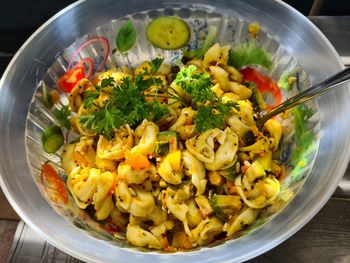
106	83
208	42
90	98
249	54
104	121
210	117
206	119
126	105
197	85
126	36
303	136
155	64
62	116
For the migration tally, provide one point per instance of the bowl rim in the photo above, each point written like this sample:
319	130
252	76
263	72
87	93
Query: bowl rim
313	210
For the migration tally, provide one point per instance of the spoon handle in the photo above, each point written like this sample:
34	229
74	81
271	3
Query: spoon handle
308	94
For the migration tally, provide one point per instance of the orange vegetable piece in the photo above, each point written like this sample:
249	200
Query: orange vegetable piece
54	185
137	161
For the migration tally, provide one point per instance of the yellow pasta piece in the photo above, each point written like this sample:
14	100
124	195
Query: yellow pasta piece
142	238
225	155
104	208
202	146
169	168
132	176
246	112
235	224
75	97
116	148
195	169
275	129
242	91
147	132
235	75
185	118
220	76
237	125
212	228
216	55
193	214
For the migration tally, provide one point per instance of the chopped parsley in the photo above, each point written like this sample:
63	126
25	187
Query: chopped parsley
127	104
210	117
197	85
211	111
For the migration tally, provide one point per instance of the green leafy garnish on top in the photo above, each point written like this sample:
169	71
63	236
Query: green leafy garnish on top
249	54
197	85
211	110
126	37
213	116
127	104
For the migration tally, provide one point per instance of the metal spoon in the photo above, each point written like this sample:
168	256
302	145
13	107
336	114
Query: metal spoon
306	95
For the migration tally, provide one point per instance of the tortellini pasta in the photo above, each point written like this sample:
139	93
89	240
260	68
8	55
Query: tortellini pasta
116	148
202	146
255	188
90	186
164	184
132	176
225	155
195	169
147	138
134	200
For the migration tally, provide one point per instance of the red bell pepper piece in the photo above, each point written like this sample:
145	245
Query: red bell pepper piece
69	79
264	83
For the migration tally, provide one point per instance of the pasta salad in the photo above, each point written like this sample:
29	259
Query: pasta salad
170	154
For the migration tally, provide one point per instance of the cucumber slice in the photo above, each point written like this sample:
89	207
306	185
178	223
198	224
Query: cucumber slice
167	142
168	32
52	139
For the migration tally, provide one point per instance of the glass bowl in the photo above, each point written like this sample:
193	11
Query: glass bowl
295	44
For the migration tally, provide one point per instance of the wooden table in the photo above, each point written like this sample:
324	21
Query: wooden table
326	238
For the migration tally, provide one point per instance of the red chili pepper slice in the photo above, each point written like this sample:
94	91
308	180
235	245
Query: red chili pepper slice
264	84
54	186
69	79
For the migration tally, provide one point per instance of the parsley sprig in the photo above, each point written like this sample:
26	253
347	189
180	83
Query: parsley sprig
127	103
211	110
197	85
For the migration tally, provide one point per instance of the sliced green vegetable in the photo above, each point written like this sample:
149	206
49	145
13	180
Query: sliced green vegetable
249	54
126	36
168	32
256	98
62	116
284	82
52	139
167	142
208	42
230	173
46	98
225	205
